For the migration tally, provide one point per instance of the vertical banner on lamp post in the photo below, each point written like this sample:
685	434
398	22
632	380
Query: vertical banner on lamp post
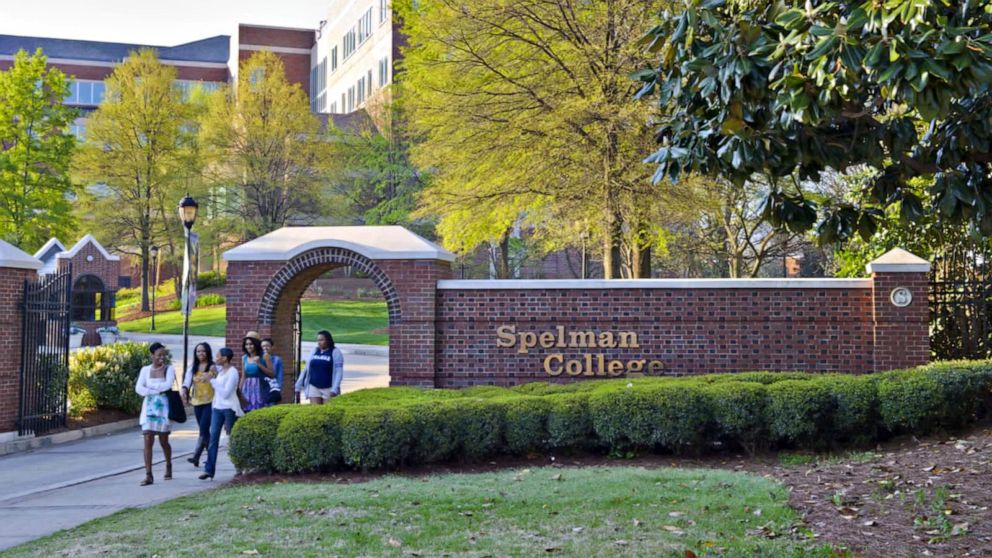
190	267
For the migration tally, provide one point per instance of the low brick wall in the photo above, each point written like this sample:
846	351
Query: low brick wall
534	331
454	333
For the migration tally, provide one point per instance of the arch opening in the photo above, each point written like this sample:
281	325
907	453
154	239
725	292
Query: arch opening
277	315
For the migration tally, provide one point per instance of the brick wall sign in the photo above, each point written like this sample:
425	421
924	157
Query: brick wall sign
452	333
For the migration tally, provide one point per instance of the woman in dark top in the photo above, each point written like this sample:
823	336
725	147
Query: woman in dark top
321	380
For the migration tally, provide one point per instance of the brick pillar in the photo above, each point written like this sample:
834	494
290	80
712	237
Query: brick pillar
900	310
15	268
413	338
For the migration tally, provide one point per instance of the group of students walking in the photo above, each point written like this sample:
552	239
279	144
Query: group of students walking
220	393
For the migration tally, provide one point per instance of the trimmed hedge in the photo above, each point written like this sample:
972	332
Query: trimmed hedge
390	427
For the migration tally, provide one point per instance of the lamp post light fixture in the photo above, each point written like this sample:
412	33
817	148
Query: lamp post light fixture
154	253
187	213
584	235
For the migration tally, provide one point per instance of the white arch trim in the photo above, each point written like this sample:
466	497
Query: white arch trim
373	242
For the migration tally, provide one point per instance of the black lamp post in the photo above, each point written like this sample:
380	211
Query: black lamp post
584	235
154	253
187	213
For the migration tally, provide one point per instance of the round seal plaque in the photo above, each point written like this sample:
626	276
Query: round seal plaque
901	297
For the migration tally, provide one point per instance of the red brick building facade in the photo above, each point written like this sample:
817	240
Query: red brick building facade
95	276
451	333
15	268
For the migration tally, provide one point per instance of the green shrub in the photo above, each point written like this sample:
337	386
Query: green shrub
479	426
855	408
909	401
252	447
436	434
376	437
210	299
309	440
388	427
799	412
738	410
569	421
525	423
669	415
209	279
104	377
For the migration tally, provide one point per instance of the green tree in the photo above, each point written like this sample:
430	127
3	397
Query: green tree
787	90
523	110
264	147
140	158
35	153
371	169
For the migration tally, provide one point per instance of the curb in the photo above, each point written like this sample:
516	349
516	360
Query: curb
367	352
17	446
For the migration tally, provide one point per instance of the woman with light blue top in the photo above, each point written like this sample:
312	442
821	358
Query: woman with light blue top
321	379
274	363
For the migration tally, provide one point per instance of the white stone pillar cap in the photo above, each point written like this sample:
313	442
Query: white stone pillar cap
12	256
898	260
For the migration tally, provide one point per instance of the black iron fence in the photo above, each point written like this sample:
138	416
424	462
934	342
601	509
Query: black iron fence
961	319
45	354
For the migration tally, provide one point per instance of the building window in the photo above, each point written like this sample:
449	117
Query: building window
343	104
361	90
365	26
351	98
368	80
383	10
334	58
85	92
384	72
348	44
333	108
90	301
318	86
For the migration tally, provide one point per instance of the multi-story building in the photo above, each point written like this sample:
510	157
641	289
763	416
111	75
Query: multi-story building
353	56
207	63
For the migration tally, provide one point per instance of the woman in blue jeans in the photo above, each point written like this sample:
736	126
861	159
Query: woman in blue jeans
226	406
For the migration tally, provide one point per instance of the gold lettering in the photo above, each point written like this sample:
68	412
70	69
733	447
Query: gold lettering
628	339
528	340
561	337
606	340
635	367
655	367
615	368
588	370
505	337
582	339
601	360
547	364
547	340
573	367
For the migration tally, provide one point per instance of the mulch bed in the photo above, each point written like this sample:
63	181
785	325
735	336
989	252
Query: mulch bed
909	497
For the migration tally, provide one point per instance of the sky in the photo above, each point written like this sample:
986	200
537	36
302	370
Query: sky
152	22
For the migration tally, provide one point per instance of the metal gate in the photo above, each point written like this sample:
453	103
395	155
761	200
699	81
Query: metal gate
45	353
298	340
961	319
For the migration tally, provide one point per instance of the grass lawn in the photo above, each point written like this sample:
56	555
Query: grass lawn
592	511
351	321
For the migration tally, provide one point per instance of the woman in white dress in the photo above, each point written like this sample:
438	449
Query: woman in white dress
153	381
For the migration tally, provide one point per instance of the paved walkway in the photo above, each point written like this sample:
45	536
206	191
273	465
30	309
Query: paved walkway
63	486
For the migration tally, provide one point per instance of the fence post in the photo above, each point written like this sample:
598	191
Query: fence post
900	310
15	268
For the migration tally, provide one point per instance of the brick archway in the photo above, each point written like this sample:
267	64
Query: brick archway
268	275
324	259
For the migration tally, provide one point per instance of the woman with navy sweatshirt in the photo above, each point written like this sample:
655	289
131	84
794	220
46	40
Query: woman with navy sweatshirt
321	379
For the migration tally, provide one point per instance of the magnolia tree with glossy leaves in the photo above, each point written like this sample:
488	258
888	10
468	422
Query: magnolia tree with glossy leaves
792	89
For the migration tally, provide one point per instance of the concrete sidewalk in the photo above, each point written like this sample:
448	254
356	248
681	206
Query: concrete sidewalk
63	486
